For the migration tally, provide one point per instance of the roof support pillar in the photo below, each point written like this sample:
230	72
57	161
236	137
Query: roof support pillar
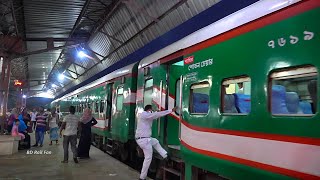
4	85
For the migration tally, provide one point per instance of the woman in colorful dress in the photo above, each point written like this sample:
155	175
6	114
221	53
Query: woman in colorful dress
87	120
13	116
53	127
15	129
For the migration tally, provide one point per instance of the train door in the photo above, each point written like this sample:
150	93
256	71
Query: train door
175	70
108	103
154	86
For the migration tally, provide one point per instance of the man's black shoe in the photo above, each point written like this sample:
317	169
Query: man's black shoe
36	145
75	160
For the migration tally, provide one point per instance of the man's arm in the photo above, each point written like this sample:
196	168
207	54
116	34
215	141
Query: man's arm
156	115
63	126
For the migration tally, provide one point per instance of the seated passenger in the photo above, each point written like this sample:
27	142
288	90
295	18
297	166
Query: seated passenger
243	103
292	101
25	143
200	103
240	85
278	100
229	104
305	107
312	88
15	131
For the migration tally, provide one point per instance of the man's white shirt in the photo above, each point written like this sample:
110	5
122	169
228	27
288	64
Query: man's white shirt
145	120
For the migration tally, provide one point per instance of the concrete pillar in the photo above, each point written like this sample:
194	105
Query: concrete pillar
4	87
2	77
7	86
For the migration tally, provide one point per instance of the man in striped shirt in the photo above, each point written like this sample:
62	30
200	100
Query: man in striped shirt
41	120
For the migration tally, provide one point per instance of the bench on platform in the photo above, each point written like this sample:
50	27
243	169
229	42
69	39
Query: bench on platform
9	144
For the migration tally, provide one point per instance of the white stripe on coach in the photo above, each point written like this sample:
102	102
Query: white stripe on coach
298	157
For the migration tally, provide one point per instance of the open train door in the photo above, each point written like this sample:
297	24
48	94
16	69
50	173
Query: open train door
175	70
108	114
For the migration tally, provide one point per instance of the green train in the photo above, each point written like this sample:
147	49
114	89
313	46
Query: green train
246	87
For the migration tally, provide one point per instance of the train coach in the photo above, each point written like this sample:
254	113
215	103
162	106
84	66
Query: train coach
247	91
112	100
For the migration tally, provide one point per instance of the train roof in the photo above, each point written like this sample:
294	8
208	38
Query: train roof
118	73
232	21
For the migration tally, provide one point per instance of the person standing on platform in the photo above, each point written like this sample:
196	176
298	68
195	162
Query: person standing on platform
144	139
53	127
87	120
33	119
41	121
70	125
60	118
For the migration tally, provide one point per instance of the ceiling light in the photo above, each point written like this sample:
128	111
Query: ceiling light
24	96
53	85
81	54
61	76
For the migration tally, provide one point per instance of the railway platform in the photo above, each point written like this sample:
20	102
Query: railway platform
39	163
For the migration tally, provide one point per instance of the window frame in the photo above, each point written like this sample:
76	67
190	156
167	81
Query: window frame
102	104
290	73
233	80
175	101
149	88
119	87
203	83
96	107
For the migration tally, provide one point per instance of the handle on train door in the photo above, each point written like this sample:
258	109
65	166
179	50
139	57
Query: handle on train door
180	106
160	104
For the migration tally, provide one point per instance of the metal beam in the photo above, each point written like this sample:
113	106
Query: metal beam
132	4
142	30
14	19
82	13
102	3
76	24
73	72
94	52
75	68
56	39
109	11
45	50
90	19
109	36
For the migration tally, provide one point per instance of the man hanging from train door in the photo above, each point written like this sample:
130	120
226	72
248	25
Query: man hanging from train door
144	139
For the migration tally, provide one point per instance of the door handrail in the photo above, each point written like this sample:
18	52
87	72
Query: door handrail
180	106
159	108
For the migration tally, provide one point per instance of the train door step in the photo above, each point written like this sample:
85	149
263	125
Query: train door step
176	147
170	170
177	160
109	145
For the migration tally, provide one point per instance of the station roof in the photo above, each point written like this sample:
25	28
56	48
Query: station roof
43	38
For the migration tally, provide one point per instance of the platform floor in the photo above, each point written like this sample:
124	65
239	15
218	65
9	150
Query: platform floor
24	166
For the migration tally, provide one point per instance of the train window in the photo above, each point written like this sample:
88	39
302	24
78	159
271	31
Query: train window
199	98
293	91
96	107
102	106
120	99
177	100
236	95
148	90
